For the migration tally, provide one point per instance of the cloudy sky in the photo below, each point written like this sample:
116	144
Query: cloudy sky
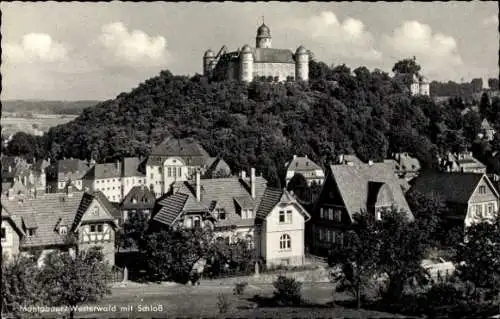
74	51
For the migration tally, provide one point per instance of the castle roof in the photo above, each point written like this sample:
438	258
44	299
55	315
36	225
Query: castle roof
209	54
263	31
301	50
270	55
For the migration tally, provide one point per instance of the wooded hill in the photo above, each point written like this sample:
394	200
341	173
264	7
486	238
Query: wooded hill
263	124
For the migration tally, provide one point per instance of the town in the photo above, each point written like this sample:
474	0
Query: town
267	185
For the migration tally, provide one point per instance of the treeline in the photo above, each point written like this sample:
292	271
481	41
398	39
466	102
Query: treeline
264	124
464	90
46	107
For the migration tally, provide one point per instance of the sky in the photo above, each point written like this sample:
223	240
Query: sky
95	51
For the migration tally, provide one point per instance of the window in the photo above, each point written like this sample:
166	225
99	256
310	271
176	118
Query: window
63	230
30	232
221	214
321	234
95	211
92	228
151	176
169	172
490	209
289	216
250	213
338	215
285	242
99	228
282	216
330	213
3	233
197	222
479	210
179	172
482	189
321	213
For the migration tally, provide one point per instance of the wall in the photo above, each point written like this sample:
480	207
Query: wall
129	182
282	70
274	231
10	245
110	187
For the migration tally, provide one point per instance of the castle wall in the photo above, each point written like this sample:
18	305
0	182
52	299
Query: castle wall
281	70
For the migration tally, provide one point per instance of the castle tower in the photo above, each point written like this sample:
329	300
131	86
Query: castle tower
246	64
263	39
301	64
208	61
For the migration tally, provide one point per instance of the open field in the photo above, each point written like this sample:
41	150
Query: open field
35	124
179	301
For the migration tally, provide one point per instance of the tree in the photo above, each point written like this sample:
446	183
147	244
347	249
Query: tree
478	257
485	106
74	280
133	231
406	66
171	254
358	258
20	285
298	185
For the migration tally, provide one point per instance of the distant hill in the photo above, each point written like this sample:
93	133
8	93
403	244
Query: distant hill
46	107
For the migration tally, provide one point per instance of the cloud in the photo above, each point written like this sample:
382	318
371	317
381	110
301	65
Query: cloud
347	39
491	20
435	52
35	47
131	48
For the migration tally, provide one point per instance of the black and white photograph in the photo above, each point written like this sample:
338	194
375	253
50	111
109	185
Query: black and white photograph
250	160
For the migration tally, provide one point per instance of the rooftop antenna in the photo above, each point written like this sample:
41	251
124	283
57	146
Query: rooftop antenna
263	20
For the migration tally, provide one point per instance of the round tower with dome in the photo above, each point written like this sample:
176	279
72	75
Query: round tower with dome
261	63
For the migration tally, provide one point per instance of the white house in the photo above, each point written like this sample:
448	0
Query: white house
307	168
238	208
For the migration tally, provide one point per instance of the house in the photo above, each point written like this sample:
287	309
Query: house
68	171
22	177
174	160
238	208
348	190
114	180
44	223
470	197
217	167
140	199
348	159
405	166
487	131
463	162
312	172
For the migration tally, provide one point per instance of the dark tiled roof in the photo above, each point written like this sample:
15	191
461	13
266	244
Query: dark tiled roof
179	147
452	187
144	198
270	198
270	55
302	164
73	169
131	167
169	208
353	183
103	171
245	201
44	211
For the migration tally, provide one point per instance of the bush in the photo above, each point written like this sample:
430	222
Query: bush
288	291
239	288
222	303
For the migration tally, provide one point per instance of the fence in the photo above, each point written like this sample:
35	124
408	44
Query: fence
116	275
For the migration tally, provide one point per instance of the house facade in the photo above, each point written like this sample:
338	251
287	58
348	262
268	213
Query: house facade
59	221
238	208
139	200
470	197
312	172
348	190
175	160
68	171
487	131
17	171
114	180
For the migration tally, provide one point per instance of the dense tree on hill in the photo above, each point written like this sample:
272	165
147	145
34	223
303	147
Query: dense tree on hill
407	66
262	124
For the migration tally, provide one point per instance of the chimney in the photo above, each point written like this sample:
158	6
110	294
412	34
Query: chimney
243	174
370	162
294	156
252	182
69	190
198	186
118	165
11	193
341	159
10	169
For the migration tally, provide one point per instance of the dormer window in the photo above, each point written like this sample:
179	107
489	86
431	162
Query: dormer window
63	230
30	232
247	213
220	214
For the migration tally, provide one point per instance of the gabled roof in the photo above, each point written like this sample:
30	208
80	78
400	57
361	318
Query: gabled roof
170	208
354	185
73	169
223	191
104	171
271	55
216	164
131	167
299	163
143	197
273	197
186	147
452	187
104	201
485	125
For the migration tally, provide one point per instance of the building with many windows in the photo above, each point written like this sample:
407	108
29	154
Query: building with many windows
260	62
312	172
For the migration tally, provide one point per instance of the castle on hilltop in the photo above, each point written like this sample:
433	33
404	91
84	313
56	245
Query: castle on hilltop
262	62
